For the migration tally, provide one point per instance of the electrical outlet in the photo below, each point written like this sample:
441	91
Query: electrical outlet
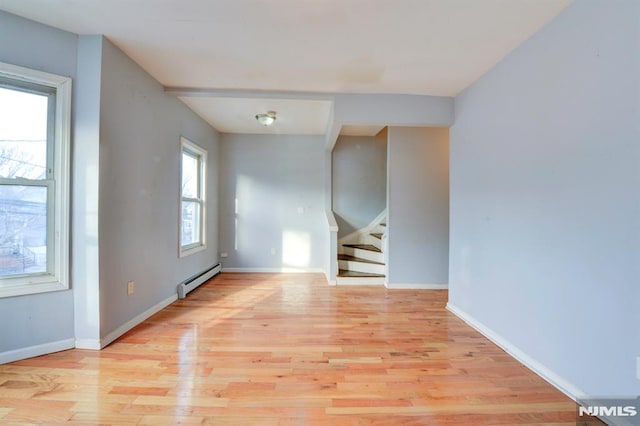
224	254
131	288
638	367
273	251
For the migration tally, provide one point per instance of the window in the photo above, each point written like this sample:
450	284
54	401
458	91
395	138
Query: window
34	180
192	202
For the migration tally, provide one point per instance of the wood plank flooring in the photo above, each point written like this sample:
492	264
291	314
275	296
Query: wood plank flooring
287	349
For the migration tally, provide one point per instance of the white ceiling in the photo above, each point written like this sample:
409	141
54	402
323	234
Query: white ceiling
431	47
237	115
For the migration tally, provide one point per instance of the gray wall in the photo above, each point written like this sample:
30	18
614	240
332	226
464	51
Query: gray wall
359	181
125	190
389	110
267	178
48	317
418	206
140	190
545	208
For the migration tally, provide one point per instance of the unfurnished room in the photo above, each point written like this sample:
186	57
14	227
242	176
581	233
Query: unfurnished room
336	212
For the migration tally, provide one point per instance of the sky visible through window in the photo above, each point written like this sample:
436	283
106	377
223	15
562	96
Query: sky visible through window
23	208
189	176
190	209
23	134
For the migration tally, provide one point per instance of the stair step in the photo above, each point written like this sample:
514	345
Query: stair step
364	247
350	258
374	256
376	235
354	274
353	263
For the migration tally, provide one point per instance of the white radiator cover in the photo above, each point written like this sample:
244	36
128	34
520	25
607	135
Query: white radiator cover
193	282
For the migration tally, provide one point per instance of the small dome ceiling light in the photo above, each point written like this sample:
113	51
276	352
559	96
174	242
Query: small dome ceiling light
266	119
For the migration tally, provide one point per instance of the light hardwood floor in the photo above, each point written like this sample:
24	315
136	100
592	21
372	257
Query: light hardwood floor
276	349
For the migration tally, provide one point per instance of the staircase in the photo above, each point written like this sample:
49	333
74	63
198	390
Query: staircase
361	256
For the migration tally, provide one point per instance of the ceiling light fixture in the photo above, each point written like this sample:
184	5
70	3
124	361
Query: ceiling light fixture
266	119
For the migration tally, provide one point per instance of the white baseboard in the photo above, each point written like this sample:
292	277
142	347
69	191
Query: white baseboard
416	286
550	376
329	280
37	350
136	320
92	344
276	270
95	344
340	281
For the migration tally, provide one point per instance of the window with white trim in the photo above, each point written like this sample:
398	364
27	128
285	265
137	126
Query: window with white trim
35	117
192	202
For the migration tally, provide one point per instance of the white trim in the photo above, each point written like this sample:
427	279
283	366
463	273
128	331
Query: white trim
385	255
36	284
32	76
92	344
416	286
199	92
62	173
333	130
564	386
201	157
358	235
95	344
330	281
378	281
331	221
57	277
191	250
37	350
137	320
276	270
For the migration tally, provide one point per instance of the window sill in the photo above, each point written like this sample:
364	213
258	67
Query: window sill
191	250
24	289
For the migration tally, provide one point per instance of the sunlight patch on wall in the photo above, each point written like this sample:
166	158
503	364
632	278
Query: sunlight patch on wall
244	195
235	226
296	249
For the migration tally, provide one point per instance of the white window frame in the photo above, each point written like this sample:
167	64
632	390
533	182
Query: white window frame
58	170
201	155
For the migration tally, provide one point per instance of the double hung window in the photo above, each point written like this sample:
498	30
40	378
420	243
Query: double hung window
192	205
34	180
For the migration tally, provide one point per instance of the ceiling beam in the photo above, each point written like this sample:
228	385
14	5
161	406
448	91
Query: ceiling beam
195	92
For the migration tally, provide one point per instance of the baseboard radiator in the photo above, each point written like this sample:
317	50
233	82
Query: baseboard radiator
193	282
